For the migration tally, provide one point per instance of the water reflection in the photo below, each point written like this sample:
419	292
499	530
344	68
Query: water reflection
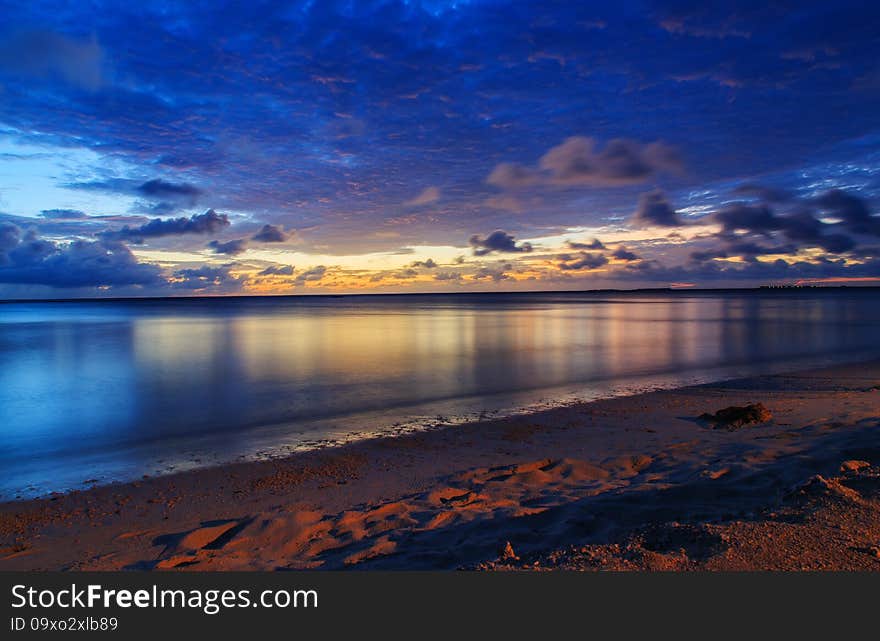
87	382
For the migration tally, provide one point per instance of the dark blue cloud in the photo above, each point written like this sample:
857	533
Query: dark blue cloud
63	214
762	192
579	160
10	236
230	247
27	259
159	196
593	244
270	234
581	261
278	270
655	210
207	223
497	241
852	211
312	274
495	274
162	189
758	219
803	224
206	279
622	253
714	272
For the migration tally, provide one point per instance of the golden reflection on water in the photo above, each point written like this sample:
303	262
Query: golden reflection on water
437	350
85	379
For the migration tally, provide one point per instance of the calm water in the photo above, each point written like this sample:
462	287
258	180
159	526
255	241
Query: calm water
113	390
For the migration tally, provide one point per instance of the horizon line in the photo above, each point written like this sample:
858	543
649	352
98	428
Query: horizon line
775	288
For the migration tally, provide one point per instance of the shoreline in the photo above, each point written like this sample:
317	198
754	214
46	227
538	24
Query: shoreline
607	484
646	290
271	442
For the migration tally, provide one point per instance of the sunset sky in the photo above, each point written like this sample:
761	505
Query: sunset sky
320	147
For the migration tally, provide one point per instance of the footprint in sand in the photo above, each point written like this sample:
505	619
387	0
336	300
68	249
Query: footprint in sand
192	547
303	538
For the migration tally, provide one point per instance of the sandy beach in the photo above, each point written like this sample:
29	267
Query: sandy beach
631	483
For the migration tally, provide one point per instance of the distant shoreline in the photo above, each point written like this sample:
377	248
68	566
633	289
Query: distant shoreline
769	289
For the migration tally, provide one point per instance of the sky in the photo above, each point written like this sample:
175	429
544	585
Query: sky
210	148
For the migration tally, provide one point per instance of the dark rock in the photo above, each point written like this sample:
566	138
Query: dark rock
735	417
819	487
507	553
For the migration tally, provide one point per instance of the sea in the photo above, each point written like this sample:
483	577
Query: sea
101	391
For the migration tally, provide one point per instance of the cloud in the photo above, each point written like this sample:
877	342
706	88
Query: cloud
163	196
230	247
65	224
46	54
836	243
758	219
497	274
760	271
578	161
583	260
206	278
622	253
447	276
509	175
804	228
162	208
762	192
592	245
505	202
207	223
703	256
10	236
427	196
801	226
270	234
160	189
427	264
746	229
26	259
63	214
114	185
851	210
278	270
499	241
737	247
312	274
654	210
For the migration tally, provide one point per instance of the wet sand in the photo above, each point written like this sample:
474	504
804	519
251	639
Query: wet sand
633	483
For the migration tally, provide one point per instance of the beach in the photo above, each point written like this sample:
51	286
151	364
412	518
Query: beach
628	483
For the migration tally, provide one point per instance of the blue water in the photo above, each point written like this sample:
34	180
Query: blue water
107	391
